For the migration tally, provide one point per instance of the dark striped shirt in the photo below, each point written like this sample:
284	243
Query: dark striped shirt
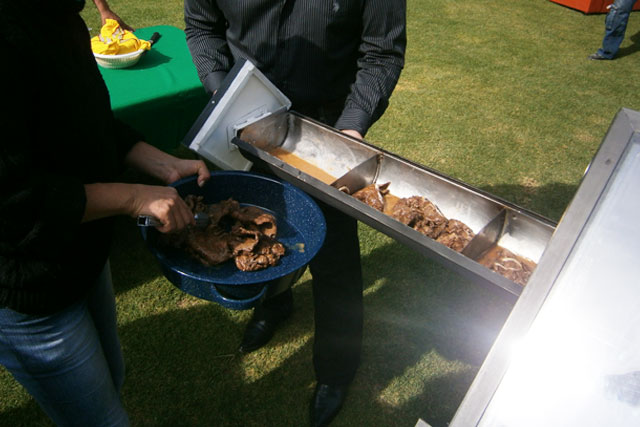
317	52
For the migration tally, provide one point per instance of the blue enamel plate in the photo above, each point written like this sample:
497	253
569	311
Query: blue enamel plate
301	229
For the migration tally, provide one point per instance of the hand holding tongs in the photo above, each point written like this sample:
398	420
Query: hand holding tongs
202	220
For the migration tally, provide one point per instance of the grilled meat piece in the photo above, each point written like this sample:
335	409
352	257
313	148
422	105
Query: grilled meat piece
266	253
508	264
456	235
244	233
265	222
425	217
421	215
209	246
373	195
218	211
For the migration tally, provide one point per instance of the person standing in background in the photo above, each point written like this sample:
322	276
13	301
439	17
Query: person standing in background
615	27
60	157
338	61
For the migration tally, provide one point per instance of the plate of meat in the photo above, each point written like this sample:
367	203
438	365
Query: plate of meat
262	234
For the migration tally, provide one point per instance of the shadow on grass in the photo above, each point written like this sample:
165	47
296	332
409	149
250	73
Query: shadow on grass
427	331
548	200
128	253
29	415
630	50
193	377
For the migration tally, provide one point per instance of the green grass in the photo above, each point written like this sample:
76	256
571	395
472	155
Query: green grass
498	94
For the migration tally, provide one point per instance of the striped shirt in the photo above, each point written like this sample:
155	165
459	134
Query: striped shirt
317	52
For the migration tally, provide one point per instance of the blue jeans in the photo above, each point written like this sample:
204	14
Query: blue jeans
615	27
70	361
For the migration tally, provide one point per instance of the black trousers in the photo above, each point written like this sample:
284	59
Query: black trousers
337	284
337	300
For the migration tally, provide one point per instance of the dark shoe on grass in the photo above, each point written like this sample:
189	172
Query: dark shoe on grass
326	403
261	327
597	57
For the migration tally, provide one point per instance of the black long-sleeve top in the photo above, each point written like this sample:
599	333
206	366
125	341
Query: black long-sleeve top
58	134
315	51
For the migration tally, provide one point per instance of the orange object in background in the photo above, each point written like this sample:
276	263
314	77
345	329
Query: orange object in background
591	6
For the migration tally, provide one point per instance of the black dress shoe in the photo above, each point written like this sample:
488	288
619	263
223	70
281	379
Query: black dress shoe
260	329
326	403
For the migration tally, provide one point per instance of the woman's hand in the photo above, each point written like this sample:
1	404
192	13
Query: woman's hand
165	167
163	203
176	169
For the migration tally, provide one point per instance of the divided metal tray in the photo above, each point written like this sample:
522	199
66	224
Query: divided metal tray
352	161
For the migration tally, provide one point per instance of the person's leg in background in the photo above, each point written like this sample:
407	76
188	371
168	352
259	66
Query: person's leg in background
615	28
60	360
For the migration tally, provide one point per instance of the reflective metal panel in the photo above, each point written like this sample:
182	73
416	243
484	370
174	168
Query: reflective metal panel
569	353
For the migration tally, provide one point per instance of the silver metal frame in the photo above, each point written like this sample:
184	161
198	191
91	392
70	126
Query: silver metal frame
624	130
475	207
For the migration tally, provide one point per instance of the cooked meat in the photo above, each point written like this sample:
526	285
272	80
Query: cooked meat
256	216
456	235
421	215
246	229
266	253
240	244
244	233
218	211
418	213
425	217
373	195
508	264
209	248
389	203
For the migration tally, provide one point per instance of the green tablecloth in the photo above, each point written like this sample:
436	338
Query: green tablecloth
161	96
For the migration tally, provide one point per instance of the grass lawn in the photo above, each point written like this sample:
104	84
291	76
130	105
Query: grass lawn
496	93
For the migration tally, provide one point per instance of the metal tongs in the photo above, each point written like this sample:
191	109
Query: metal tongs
154	38
202	220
